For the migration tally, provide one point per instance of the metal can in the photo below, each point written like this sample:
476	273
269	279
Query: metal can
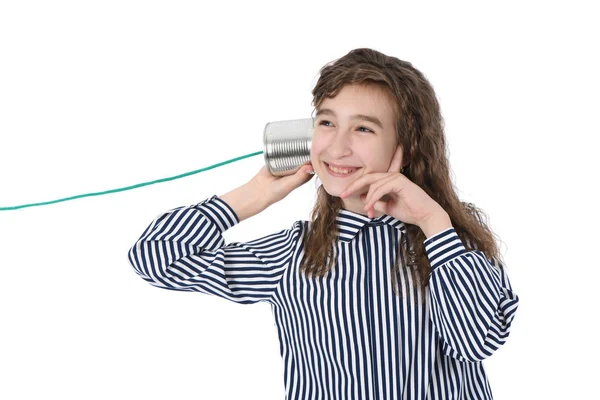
287	145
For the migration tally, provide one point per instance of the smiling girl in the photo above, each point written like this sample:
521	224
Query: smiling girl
395	288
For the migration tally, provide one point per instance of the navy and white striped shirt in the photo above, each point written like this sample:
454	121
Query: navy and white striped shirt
346	335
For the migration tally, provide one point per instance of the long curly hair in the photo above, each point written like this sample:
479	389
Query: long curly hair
419	128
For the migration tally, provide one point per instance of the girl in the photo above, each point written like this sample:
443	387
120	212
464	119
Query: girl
395	288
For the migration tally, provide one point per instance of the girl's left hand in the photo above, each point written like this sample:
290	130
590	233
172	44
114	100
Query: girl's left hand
407	201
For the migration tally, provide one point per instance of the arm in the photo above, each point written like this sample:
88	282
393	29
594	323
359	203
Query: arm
472	302
183	249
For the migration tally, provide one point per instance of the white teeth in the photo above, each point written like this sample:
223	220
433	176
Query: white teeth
341	171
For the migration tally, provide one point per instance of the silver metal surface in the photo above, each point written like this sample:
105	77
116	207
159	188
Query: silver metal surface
287	145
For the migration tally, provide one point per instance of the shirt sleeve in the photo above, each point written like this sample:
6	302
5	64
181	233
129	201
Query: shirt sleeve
471	298
183	249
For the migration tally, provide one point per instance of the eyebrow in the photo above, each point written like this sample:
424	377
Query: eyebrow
369	118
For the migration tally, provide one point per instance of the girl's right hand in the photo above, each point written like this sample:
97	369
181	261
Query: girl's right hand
275	188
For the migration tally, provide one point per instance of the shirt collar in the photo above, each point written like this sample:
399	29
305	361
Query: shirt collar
349	223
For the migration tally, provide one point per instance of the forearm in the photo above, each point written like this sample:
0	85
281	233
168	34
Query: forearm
245	200
176	235
471	309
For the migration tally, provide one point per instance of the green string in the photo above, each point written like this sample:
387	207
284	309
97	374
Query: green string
133	186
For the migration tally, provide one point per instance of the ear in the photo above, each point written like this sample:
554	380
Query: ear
406	161
396	162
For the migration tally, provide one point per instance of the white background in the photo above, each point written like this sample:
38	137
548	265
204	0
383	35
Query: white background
101	95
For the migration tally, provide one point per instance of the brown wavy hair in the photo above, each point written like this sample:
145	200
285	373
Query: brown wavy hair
419	128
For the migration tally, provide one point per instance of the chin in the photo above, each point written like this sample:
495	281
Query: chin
333	191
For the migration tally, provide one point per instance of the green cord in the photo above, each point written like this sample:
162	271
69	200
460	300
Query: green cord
134	186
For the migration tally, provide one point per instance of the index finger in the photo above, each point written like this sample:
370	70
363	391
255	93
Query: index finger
361	182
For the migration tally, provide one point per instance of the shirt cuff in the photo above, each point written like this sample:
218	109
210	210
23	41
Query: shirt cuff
443	247
219	212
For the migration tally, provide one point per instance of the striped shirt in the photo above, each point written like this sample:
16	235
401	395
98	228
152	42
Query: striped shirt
346	335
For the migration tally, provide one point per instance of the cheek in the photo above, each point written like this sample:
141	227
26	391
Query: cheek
316	148
313	159
374	158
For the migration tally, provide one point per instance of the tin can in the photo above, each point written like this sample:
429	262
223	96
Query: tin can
287	145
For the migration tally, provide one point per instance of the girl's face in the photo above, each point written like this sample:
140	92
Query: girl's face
355	131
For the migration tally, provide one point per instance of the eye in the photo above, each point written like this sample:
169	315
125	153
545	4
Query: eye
360	127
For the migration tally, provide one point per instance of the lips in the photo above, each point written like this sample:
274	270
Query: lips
341	166
337	174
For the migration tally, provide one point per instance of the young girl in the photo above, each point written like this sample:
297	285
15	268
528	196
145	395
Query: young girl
395	288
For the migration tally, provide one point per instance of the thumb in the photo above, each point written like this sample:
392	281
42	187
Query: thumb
297	179
307	169
381	206
303	175
306	172
289	183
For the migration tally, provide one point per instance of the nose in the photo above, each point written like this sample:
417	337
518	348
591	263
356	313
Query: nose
340	145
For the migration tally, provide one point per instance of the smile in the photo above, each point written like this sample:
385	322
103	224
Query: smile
340	172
